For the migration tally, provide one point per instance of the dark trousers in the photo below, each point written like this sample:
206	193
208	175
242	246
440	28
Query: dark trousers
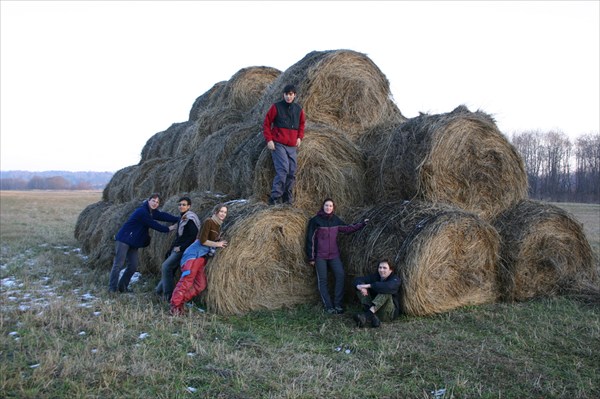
336	266
123	254
284	161
168	269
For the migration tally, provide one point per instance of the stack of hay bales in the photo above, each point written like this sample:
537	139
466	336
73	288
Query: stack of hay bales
457	171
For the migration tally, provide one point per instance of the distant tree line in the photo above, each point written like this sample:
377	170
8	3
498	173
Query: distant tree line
559	169
53	180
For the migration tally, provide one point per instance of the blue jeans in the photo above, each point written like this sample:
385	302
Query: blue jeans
284	161
123	253
168	269
337	268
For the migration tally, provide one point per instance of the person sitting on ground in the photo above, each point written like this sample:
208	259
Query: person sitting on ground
378	293
187	230
134	235
193	261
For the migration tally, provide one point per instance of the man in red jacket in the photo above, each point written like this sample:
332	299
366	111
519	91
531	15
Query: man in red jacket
284	131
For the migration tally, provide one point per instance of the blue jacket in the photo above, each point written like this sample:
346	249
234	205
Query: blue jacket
135	230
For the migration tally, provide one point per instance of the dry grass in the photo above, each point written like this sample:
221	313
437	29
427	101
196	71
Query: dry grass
63	336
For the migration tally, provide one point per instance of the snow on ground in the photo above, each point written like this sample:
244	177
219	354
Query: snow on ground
40	290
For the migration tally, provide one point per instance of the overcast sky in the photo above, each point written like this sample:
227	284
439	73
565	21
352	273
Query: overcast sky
84	84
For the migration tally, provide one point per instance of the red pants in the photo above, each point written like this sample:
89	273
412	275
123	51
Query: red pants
191	283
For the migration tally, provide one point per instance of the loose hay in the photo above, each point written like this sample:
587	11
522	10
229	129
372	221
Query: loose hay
459	158
544	251
342	89
445	257
329	165
263	266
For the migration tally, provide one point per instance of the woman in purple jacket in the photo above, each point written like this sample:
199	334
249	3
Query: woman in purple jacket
323	253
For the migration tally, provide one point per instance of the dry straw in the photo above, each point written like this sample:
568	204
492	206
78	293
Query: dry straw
544	252
342	89
329	165
445	257
263	266
459	158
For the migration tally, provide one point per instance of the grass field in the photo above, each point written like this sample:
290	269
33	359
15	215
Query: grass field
63	336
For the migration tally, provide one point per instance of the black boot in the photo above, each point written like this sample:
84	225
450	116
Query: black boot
375	322
360	319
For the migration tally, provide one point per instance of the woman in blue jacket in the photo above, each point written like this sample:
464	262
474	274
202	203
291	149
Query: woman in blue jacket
323	253
133	236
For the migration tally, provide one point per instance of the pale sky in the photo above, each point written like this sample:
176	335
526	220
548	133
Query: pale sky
84	84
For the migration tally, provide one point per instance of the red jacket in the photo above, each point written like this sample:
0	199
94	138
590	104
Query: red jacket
294	129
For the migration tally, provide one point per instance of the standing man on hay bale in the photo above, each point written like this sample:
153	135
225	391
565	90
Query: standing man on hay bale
378	294
283	130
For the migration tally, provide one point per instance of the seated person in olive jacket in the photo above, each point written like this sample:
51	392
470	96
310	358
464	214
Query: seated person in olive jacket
378	293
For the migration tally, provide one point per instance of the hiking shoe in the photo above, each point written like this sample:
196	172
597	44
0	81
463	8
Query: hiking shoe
360	320
375	322
330	311
274	201
339	310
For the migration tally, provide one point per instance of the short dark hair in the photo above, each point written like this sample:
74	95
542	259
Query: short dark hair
154	195
388	262
187	199
289	89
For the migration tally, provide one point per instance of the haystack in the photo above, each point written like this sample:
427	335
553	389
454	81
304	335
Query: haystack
459	158
118	189
329	165
445	257
241	92
342	89
166	144
223	162
544	251
264	265
96	228
87	231
227	104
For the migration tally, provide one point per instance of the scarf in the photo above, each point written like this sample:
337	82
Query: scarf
186	217
216	220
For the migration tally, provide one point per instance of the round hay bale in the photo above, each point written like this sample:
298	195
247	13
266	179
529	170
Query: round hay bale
206	100
99	242
544	251
166	144
263	267
329	165
445	257
118	189
227	104
240	93
87	231
459	158
343	89
223	163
